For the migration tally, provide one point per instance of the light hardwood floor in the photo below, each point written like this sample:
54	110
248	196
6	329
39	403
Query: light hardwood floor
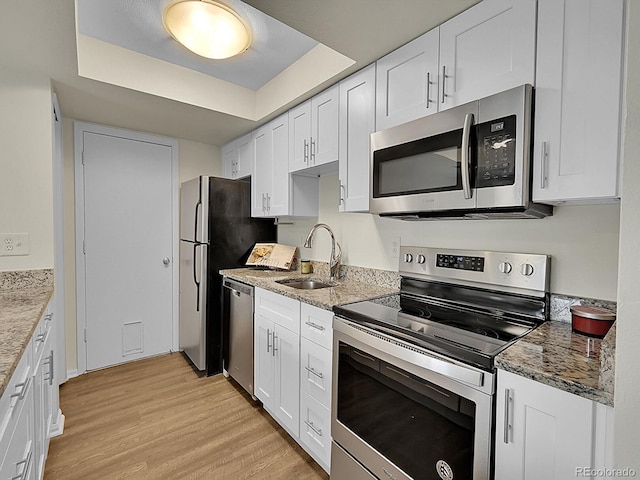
157	419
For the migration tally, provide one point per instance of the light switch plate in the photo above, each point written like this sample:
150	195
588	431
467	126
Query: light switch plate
14	244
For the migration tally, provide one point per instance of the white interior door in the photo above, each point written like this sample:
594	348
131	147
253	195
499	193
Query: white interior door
128	248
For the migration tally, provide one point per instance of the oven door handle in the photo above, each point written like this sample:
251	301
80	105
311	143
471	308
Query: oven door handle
466	155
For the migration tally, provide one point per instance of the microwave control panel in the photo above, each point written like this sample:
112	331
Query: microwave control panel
496	152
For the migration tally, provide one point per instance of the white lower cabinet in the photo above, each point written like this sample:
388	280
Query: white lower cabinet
277	358
544	432
27	408
292	352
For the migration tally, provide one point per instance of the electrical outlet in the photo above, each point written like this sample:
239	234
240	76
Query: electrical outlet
394	247
14	244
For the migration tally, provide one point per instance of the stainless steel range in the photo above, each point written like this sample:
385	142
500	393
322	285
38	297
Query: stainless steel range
413	375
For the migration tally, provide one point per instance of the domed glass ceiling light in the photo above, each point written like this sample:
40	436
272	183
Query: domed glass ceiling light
207	28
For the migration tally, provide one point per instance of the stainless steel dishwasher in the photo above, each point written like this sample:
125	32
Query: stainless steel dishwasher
238	316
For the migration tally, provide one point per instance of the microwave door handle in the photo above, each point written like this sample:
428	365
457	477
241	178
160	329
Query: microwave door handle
466	155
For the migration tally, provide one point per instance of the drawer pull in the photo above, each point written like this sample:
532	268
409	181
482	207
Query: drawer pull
317	374
314	428
23	389
315	325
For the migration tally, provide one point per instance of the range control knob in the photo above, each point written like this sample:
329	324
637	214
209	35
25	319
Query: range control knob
526	269
505	267
421	259
408	258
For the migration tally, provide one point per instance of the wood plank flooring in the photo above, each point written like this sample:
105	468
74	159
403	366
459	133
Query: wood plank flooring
157	419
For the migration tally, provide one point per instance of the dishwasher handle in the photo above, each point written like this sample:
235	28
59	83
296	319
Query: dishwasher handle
237	288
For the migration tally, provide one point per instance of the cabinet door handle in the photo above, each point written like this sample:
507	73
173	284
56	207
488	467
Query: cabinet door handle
508	414
312	371
263	204
544	165
306	151
268	335
314	325
428	87
49	362
273	346
313	427
444	82
268	203
313	151
40	337
342	193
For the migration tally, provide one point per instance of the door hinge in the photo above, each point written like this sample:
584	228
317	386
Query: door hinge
85	335
82	156
84	247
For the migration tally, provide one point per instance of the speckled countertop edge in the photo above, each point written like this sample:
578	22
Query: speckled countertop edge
344	291
554	355
24	297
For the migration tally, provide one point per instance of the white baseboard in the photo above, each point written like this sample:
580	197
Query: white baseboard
72	374
57	427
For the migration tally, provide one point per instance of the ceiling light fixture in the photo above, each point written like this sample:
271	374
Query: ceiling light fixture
207	28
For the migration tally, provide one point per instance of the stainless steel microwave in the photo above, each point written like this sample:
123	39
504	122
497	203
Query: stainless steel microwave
471	161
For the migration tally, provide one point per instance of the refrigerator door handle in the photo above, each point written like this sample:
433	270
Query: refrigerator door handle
195	222
195	275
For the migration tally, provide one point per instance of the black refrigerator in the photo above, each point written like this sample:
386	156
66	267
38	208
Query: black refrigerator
216	232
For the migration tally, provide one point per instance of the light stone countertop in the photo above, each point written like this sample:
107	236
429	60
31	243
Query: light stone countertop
20	312
554	355
344	291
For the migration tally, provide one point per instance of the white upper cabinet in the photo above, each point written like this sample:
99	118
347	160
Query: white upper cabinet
274	191
270	187
313	131
487	49
357	122
578	100
238	157
407	82
484	50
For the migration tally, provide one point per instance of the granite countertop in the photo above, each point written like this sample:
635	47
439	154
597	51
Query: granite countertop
554	355
20	312
344	291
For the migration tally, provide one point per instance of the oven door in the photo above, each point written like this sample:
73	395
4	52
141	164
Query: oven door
426	164
396	416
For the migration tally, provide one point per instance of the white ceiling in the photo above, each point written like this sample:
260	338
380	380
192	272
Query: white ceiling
40	36
138	26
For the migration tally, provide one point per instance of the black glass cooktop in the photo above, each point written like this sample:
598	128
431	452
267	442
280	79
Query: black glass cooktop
457	332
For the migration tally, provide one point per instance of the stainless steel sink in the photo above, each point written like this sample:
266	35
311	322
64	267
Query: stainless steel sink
304	284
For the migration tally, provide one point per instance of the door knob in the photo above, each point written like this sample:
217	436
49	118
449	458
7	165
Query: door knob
166	260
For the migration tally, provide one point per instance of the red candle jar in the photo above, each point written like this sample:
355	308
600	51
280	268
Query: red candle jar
591	321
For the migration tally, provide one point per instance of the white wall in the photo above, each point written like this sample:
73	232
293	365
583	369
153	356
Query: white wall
194	159
26	171
627	390
582	240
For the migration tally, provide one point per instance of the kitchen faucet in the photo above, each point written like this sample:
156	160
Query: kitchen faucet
334	260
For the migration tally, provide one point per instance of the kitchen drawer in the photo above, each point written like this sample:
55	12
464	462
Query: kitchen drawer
316	325
282	310
16	394
315	371
315	429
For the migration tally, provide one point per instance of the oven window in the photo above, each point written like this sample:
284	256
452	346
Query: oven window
422	166
412	422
